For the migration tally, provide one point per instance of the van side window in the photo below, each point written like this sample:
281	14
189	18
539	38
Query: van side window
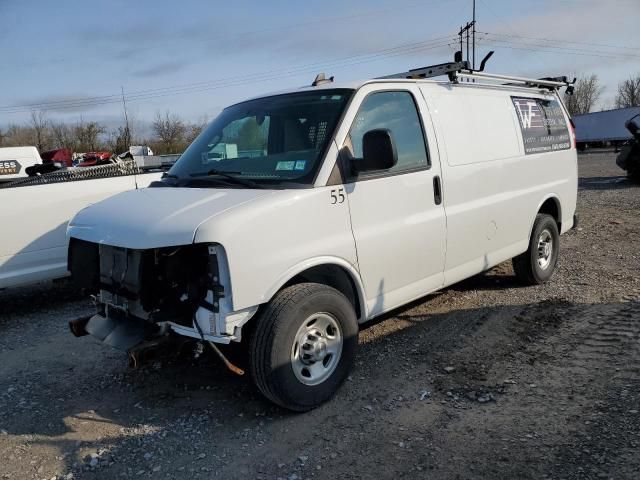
396	111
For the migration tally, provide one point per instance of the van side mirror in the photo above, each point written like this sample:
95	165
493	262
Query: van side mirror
378	151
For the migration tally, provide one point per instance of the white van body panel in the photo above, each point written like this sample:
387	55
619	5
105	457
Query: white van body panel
155	217
34	222
399	233
492	190
271	240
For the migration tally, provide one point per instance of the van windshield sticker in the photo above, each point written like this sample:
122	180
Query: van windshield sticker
285	165
543	126
300	164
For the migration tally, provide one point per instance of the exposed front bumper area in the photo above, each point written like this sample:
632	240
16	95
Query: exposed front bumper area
152	295
121	332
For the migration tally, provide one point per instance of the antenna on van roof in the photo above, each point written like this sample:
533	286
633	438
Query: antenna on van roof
320	79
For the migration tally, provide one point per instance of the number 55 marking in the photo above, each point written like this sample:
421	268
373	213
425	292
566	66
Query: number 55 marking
337	196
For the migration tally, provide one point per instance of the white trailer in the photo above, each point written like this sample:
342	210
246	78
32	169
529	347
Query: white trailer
15	160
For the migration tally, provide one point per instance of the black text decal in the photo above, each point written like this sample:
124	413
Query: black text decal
543	126
9	167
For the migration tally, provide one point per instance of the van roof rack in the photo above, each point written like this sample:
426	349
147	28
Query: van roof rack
449	68
458	70
551	83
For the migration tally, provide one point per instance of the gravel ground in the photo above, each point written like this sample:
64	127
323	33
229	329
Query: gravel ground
483	380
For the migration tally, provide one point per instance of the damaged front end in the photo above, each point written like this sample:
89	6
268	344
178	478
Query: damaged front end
146	298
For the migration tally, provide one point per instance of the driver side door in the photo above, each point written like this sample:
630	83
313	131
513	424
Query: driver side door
397	215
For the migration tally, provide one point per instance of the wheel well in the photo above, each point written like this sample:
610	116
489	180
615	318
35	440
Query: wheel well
552	207
333	276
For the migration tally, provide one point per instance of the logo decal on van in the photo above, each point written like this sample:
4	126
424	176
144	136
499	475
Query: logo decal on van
543	125
10	167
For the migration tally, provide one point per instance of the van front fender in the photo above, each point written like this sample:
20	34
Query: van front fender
301	267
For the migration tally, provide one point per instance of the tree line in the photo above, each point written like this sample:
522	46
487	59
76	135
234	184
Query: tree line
171	134
588	90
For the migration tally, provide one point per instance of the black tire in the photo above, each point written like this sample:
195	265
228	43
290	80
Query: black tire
274	336
526	266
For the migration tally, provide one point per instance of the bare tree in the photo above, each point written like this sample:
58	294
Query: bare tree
119	139
40	126
169	129
586	93
18	136
86	135
63	136
629	93
194	129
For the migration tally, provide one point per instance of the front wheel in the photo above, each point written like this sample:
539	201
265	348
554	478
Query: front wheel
303	345
537	264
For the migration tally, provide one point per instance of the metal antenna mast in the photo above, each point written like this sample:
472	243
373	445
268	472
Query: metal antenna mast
127	131
469	31
473	63
124	105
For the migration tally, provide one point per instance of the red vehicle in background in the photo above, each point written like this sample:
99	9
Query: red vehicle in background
61	156
52	160
91	159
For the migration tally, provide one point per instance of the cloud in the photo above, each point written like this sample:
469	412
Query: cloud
159	69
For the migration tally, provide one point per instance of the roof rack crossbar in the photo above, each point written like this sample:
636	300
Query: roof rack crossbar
430	71
556	82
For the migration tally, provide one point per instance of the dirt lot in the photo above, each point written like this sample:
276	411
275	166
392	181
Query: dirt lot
483	380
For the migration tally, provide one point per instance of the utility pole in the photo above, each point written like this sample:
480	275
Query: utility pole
127	130
469	32
474	34
465	31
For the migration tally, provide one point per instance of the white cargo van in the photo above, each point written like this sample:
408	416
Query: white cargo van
362	197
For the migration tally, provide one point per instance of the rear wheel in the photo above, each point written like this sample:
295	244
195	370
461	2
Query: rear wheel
303	345
537	264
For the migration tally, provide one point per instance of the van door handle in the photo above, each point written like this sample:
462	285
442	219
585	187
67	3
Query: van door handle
437	190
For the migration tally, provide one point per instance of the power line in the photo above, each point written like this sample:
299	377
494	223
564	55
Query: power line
546	48
219	83
140	95
562	41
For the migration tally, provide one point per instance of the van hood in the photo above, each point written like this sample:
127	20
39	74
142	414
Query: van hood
156	217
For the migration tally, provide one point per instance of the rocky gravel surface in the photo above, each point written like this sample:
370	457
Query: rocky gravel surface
486	379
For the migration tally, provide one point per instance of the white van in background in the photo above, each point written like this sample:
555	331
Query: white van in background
14	162
343	202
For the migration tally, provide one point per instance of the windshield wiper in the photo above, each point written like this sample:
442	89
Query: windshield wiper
229	175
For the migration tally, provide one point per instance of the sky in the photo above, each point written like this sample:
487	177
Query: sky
74	58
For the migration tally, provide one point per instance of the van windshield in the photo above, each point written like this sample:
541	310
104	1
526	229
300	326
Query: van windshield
268	142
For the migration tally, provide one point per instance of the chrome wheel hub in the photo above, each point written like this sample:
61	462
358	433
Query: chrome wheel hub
545	249
316	349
